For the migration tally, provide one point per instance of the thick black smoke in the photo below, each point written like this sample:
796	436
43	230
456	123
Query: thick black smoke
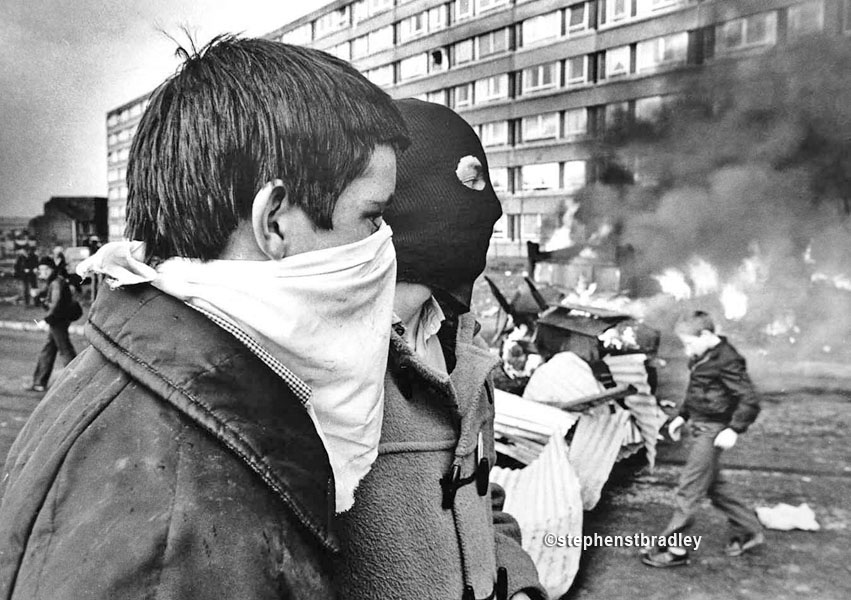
756	160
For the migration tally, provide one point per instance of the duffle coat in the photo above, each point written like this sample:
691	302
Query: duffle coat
426	525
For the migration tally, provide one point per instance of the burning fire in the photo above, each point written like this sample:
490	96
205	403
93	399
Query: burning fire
703	279
673	282
839	281
735	303
704	276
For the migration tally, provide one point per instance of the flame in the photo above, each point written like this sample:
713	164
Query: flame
703	275
673	282
808	255
783	325
601	234
839	281
752	271
703	279
560	239
734	301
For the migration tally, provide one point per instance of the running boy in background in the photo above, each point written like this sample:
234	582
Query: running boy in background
720	404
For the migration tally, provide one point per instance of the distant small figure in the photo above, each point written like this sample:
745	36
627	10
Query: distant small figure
62	310
94	245
26	265
59	262
720	404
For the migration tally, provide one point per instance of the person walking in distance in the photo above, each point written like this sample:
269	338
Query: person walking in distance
720	404
62	310
26	265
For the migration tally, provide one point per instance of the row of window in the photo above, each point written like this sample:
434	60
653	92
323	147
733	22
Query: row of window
646	56
118	192
118	156
514	227
117	211
567	176
557	24
733	35
131	112
116	175
609	12
570	124
357	12
125	135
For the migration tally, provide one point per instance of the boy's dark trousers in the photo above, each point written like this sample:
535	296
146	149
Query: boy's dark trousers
58	341
701	477
26	287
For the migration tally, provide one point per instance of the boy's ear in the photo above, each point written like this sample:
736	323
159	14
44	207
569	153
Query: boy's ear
269	205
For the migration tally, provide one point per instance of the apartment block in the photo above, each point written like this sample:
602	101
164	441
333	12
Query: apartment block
540	80
121	126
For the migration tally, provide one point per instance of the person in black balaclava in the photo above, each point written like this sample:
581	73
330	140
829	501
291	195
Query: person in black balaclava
425	523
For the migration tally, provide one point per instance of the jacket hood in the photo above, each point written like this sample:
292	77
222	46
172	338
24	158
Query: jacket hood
199	368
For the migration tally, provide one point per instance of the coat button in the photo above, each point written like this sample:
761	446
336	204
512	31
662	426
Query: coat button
482	477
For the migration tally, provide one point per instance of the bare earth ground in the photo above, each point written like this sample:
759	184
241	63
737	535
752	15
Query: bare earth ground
798	451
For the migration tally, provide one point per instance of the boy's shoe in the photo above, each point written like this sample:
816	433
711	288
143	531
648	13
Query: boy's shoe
647	550
34	388
666	558
737	547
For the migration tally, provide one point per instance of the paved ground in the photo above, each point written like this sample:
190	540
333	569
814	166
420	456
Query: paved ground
18	352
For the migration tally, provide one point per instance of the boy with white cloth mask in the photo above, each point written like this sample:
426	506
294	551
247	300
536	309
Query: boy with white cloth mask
231	400
425	524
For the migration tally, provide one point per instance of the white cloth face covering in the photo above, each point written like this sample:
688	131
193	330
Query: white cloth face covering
326	315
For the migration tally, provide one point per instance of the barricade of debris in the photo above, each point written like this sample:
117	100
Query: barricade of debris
594	362
575	395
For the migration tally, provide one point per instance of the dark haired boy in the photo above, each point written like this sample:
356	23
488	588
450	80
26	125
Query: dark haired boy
720	404
231	397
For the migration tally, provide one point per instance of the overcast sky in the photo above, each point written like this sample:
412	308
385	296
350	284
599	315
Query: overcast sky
64	63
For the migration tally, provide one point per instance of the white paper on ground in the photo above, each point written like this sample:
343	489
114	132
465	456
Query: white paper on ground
785	517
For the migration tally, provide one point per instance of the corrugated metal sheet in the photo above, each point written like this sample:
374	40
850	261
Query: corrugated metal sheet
563	378
522	427
649	418
544	497
594	448
514	409
629	368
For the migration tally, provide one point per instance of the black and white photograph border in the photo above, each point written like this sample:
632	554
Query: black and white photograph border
654	160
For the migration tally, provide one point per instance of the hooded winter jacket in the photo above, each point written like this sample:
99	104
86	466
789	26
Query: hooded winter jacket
425	524
168	462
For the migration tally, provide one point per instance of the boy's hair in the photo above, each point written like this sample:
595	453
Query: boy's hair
46	261
694	324
240	113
